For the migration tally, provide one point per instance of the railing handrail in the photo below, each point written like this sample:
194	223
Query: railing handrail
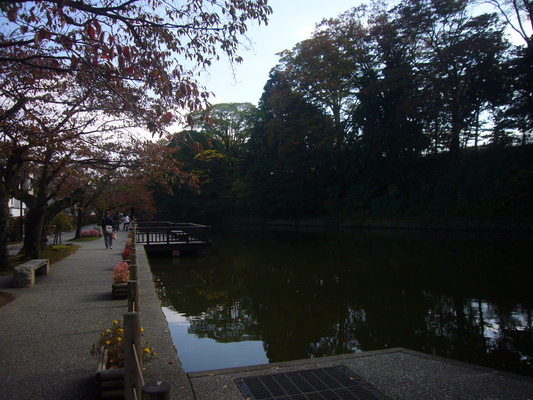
137	364
167	234
168	224
134	378
133	374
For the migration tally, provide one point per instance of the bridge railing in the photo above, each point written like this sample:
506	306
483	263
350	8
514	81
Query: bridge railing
168	232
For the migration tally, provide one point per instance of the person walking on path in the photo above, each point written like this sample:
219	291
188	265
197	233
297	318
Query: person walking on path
108	229
126	221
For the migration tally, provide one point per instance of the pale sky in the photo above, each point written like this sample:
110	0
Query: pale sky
291	22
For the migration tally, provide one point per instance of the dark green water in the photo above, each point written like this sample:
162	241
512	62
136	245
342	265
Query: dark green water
272	295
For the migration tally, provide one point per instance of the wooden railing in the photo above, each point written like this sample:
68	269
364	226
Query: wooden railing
134	385
168	232
133	377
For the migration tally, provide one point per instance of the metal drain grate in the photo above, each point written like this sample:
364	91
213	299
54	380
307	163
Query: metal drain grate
333	383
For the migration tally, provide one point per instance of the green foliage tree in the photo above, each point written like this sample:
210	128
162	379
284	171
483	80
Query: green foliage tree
227	125
516	114
518	16
388	114
361	119
327	69
460	60
290	153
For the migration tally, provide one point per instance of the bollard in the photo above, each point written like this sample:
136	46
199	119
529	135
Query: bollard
156	391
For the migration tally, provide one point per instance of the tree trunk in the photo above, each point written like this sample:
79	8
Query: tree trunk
455	139
79	221
5	261
34	232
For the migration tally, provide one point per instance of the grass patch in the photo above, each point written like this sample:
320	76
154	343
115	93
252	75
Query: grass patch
54	253
85	239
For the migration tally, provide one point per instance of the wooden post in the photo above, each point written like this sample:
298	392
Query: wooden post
156	391
133	233
134	293
133	255
134	271
132	337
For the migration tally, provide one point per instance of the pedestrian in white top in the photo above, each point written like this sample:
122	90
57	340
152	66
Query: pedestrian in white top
126	221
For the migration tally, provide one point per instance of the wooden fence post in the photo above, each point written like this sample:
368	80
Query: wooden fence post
133	255
156	391
132	337
134	294
134	271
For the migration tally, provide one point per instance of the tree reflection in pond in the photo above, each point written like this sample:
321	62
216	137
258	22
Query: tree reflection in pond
313	293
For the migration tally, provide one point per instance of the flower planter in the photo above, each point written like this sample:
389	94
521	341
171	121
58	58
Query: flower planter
109	381
119	291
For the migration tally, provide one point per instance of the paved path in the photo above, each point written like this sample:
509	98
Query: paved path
47	332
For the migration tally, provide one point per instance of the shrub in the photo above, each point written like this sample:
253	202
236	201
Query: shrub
62	222
91	233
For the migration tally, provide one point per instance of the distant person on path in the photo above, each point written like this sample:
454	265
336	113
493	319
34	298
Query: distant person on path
126	221
116	219
108	228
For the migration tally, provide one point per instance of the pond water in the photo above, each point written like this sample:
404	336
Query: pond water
270	295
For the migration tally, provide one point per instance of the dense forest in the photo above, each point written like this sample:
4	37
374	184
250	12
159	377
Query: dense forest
421	110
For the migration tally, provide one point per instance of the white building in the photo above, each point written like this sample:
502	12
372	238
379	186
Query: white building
16	208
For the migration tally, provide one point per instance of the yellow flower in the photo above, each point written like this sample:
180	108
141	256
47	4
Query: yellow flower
119	339
108	342
120	330
147	350
115	322
142	329
154	353
108	330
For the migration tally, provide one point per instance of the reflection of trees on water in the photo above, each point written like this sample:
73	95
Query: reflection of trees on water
228	322
478	331
325	296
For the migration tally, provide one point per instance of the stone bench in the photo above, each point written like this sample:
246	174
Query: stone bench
24	274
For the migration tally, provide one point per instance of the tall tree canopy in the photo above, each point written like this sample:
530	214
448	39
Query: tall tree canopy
353	119
327	69
227	125
459	58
